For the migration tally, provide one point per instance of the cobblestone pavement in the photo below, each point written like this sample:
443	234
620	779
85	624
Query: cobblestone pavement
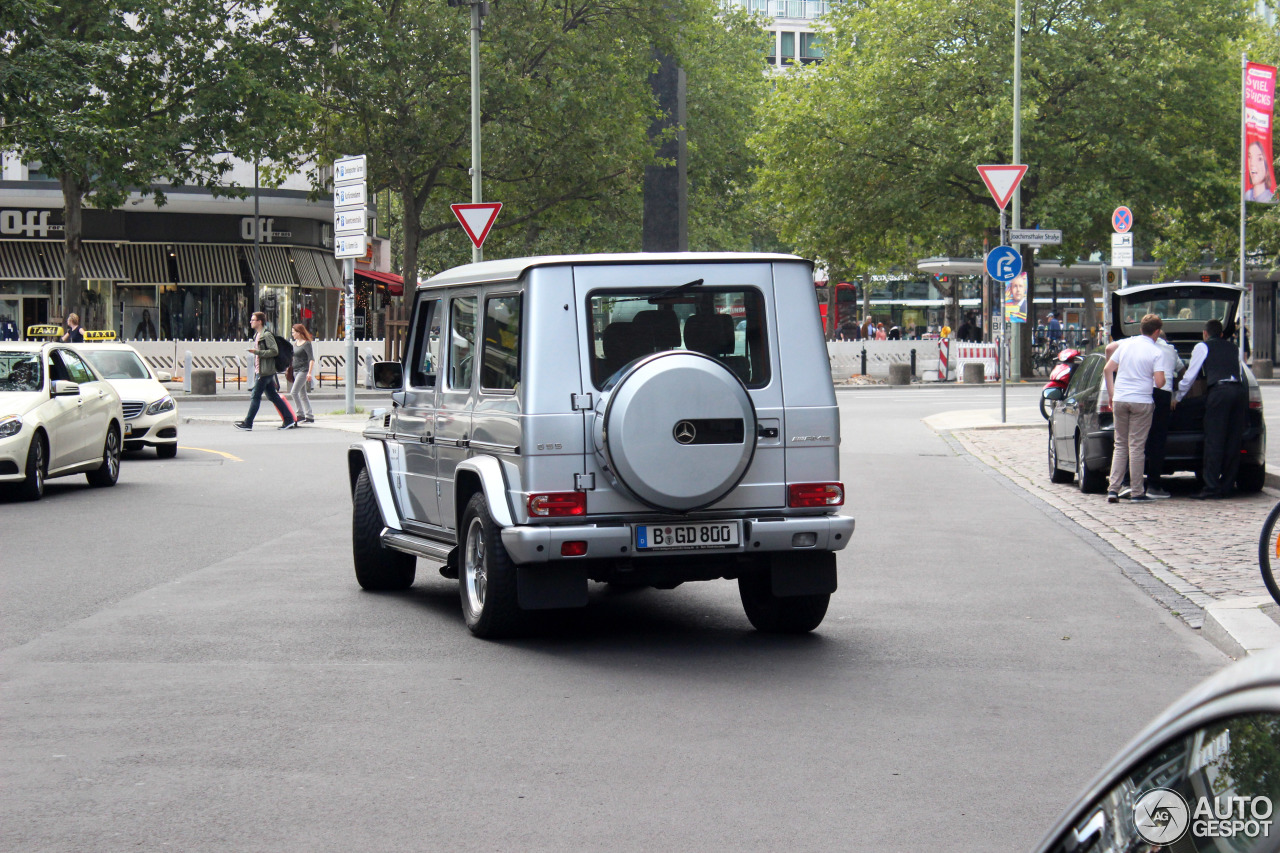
1205	550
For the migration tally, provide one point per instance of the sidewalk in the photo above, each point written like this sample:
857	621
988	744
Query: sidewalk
1220	583
269	419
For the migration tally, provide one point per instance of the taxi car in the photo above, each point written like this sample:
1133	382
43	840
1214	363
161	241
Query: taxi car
58	416
563	420
150	413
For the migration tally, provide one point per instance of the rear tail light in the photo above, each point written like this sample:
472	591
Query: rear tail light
573	549
558	504
1104	404
815	494
1255	397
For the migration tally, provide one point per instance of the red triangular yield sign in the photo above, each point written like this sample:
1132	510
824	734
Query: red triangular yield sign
477	219
1001	181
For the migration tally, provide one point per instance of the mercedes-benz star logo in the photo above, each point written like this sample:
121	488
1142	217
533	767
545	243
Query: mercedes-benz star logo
685	432
1161	816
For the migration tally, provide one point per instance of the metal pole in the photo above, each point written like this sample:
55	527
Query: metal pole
1016	356
477	254
1002	363
1244	81
349	291
257	238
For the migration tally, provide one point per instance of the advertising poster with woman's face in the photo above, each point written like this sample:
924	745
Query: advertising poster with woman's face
1015	299
1259	103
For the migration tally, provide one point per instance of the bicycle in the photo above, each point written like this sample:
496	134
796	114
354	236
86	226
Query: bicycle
1269	545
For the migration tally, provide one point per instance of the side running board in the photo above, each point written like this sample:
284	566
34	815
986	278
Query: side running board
408	544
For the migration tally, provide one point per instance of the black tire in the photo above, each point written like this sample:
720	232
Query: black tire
1250	478
377	568
487	577
1268	543
1089	482
109	471
32	488
167	451
1056	474
772	614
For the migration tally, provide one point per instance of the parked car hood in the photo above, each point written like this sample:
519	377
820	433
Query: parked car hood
21	402
1129	303
146	390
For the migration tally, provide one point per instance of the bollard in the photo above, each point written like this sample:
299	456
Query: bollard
1263	368
913	361
186	373
974	373
204	381
864	361
899	373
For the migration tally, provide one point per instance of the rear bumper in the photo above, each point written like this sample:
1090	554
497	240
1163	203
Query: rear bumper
528	544
1184	451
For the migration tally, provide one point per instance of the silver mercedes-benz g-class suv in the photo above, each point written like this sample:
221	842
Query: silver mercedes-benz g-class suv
632	419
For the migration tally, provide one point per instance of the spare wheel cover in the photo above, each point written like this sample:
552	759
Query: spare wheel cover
679	431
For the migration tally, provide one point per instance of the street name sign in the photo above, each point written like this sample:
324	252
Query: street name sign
1122	219
1122	250
477	219
353	195
349	169
348	222
349	247
1035	236
1001	181
1003	263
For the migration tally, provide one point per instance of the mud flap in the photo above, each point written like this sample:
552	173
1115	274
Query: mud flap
551	586
803	573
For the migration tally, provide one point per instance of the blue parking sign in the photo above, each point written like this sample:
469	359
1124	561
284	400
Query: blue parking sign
1003	263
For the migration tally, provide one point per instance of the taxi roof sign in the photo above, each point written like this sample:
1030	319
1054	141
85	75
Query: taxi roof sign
44	331
100	335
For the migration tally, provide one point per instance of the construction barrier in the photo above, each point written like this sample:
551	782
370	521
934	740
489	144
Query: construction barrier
986	354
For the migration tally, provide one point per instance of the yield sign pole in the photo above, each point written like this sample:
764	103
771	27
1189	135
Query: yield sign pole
1001	181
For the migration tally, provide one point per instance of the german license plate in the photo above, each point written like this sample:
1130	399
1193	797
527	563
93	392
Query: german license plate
701	535
128	429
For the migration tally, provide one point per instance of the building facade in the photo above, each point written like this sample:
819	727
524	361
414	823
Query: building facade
791	28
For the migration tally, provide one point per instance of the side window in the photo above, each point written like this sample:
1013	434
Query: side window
1082	376
462	341
77	370
425	358
500	370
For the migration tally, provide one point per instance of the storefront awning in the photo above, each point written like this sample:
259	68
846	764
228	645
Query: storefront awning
315	269
392	282
146	263
42	261
207	265
24	260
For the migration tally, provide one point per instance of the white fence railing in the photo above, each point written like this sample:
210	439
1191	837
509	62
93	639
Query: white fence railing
229	359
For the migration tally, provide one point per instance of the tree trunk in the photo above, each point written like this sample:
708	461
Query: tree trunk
866	297
833	316
412	228
73	233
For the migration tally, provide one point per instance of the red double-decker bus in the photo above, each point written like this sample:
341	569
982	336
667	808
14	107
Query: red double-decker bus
846	302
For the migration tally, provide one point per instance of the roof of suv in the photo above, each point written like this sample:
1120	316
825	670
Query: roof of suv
510	269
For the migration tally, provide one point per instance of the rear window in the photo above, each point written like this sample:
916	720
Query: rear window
1196	304
726	323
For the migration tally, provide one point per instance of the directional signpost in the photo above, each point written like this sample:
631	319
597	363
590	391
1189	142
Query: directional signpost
1035	236
1001	181
350	241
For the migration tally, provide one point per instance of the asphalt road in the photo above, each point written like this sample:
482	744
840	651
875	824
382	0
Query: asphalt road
188	663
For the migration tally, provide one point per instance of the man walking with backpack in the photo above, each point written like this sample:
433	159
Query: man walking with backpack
265	351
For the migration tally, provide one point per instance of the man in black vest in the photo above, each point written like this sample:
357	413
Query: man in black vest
1225	412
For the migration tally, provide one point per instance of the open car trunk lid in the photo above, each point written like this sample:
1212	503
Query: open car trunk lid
1184	306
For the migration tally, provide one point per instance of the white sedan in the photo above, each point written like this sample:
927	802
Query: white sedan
57	417
150	414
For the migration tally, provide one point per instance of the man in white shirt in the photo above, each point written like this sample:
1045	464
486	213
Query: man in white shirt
1132	374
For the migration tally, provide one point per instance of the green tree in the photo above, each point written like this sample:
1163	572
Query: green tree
111	97
566	108
870	158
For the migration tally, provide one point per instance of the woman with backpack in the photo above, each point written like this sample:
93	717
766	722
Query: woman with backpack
304	363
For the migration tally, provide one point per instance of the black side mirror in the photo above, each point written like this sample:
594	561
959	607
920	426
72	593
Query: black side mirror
1052	393
388	375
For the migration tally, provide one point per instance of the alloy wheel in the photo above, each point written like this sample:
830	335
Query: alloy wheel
474	567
